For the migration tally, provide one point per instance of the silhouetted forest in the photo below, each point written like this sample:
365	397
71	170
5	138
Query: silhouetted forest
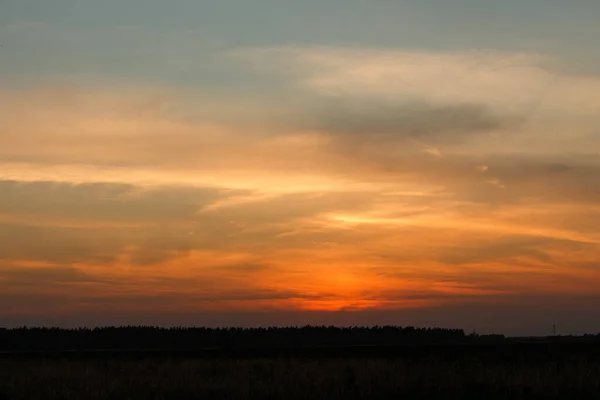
184	338
145	338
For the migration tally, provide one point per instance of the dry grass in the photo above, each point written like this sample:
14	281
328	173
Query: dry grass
154	379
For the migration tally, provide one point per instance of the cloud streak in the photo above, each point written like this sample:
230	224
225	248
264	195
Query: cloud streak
387	180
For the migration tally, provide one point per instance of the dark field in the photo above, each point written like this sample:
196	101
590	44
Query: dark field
503	371
309	362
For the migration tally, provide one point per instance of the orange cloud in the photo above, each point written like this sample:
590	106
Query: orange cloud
125	200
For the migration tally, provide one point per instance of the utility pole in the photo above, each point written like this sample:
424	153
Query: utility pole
553	329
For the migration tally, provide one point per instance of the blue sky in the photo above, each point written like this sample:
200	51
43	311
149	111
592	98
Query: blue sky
155	40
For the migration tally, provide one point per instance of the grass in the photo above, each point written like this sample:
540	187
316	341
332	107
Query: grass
297	378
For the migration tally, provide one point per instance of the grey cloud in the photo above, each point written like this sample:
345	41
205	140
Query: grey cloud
499	248
509	178
147	245
59	244
203	295
88	223
572	180
472	250
14	276
513	179
48	302
385	121
102	201
432	295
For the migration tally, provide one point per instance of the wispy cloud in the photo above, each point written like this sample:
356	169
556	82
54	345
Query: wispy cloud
388	179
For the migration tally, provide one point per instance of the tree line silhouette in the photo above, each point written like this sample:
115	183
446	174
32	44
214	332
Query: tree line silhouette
182	338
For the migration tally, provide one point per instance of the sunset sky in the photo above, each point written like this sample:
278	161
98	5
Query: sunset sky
272	162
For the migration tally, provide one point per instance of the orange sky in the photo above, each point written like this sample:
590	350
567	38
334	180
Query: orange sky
356	185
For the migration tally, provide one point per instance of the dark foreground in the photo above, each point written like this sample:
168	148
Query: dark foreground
503	371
